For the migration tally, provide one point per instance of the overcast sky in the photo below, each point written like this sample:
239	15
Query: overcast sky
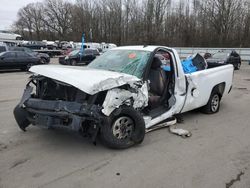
9	9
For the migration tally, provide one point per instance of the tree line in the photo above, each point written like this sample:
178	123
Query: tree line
186	23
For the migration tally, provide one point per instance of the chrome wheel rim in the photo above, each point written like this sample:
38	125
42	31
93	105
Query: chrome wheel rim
215	103
123	127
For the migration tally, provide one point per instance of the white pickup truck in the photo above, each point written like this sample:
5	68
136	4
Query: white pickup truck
120	94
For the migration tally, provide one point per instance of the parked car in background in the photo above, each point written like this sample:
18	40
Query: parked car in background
51	45
64	45
206	55
61	44
107	46
8	35
225	57
18	60
45	58
34	45
66	52
76	58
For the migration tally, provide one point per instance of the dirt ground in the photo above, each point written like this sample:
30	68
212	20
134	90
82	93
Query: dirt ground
217	155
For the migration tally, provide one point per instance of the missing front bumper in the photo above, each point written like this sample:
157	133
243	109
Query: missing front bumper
54	113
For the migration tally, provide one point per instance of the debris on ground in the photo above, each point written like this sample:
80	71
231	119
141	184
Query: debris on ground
180	132
172	124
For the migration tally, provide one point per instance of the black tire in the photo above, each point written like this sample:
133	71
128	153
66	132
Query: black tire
43	61
29	66
130	134
21	117
237	66
73	62
213	105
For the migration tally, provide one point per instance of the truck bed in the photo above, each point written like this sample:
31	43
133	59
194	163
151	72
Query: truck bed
204	81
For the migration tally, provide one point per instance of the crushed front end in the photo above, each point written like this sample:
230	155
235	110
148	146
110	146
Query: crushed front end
50	103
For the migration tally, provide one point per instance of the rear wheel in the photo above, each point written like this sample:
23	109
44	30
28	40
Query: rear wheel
237	66
213	105
29	66
43	61
124	128
73	63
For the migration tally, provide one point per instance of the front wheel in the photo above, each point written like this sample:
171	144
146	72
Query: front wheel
29	66
213	105
237	66
43	61
73	63
124	128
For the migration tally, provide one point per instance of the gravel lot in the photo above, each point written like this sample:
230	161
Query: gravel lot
217	155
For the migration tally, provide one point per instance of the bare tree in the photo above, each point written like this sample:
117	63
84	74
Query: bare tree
57	16
186	23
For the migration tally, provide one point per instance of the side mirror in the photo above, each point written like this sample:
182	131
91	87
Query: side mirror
2	58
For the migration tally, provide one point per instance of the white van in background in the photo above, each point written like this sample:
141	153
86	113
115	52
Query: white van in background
8	35
95	45
107	46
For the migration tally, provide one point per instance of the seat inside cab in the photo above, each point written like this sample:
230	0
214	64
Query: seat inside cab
160	81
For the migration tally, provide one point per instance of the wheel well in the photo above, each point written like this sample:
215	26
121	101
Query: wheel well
220	88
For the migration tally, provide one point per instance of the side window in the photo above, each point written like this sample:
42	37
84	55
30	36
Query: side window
2	49
10	54
22	54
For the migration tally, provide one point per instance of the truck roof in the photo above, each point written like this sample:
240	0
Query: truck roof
150	48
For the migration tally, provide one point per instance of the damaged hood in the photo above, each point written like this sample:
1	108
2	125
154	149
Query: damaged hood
88	80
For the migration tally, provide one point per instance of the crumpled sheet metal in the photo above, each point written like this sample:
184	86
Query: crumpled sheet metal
111	83
117	97
172	125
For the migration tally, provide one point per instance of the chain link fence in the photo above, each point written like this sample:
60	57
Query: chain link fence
185	52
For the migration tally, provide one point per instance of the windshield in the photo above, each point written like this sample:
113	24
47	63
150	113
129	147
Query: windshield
131	62
74	52
220	55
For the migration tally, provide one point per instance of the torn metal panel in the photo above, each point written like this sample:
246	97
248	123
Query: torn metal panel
117	97
26	95
162	125
111	83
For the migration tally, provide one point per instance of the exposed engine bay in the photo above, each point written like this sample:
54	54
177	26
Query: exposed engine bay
50	103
